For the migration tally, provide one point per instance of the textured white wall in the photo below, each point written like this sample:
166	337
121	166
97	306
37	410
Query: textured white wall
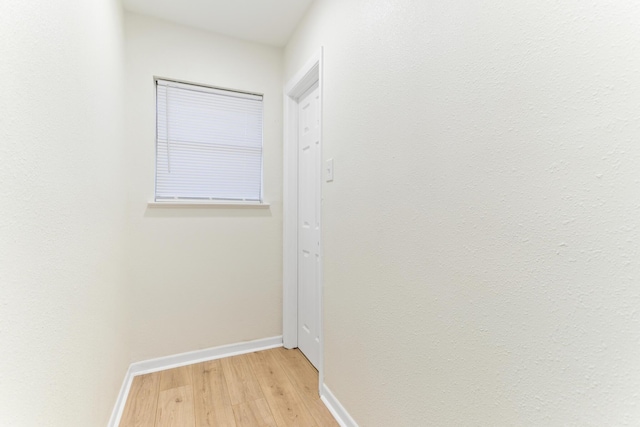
482	233
64	343
207	276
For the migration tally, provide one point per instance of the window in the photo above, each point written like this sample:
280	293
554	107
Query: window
208	144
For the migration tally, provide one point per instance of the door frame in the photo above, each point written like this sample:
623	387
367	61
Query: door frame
306	77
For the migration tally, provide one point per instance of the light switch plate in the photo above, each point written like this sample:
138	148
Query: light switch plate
329	170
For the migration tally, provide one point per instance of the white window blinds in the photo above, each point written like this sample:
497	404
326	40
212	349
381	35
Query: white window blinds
208	143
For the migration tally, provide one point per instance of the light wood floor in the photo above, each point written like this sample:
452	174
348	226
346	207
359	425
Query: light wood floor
272	388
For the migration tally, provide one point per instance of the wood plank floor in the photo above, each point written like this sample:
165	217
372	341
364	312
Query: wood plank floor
272	388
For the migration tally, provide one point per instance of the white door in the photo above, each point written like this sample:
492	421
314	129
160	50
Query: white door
309	181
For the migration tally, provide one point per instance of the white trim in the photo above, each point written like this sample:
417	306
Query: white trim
208	89
188	82
289	225
121	400
189	358
320	168
335	407
306	77
183	359
206	204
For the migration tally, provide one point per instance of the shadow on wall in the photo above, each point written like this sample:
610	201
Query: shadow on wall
208	212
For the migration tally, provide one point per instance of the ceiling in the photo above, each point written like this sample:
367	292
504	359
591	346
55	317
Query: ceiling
263	21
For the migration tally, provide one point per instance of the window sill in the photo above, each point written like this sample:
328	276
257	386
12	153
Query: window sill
207	204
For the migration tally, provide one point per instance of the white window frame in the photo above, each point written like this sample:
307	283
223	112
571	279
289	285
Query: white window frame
195	203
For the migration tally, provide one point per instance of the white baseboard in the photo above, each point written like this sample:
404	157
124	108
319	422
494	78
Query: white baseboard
335	407
118	408
183	359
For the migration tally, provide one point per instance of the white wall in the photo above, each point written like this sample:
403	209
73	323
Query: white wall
482	234
208	276
64	342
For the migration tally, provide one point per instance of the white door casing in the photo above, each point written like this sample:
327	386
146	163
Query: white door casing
309	182
308	76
